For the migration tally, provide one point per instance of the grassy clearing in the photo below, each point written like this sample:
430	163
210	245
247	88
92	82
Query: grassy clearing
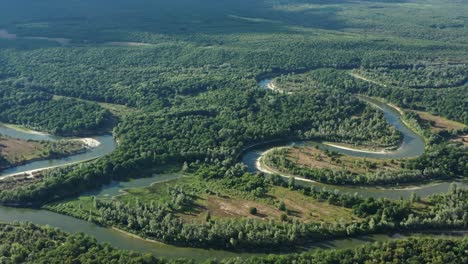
16	151
234	205
316	158
438	123
309	209
115	109
297	206
158	192
207	199
81	207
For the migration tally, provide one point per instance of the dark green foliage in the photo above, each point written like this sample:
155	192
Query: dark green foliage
450	103
156	221
253	210
420	76
194	92
448	159
414	250
38	110
282	206
28	243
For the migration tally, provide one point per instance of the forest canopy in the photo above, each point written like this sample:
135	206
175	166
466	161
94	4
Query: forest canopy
178	84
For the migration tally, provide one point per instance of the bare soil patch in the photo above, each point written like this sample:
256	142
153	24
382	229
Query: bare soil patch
438	123
316	158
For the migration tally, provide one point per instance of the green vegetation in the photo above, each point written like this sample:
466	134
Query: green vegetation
420	250
442	161
35	109
164	212
449	103
190	132
176	82
421	76
28	243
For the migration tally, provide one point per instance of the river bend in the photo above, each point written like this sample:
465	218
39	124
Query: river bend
412	146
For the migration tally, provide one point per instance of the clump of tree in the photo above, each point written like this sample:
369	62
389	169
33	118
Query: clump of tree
423	250
438	162
29	243
38	110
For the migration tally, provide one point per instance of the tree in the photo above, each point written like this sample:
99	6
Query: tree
253	210
292	182
284	217
413	197
282	206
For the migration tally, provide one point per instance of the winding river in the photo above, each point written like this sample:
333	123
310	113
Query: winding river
412	146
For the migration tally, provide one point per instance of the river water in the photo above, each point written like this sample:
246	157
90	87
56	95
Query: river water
412	146
124	241
106	146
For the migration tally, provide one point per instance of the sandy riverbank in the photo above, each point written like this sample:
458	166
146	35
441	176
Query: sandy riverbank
356	150
29	173
262	167
272	86
90	142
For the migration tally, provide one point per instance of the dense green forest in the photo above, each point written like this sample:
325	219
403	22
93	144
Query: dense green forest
189	132
37	110
185	76
404	251
430	76
449	102
28	243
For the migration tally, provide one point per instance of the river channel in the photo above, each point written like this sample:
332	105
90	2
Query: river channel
411	146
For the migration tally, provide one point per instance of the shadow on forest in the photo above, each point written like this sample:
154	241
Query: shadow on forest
118	20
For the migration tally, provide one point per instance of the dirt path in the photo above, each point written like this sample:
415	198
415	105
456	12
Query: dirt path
358	76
